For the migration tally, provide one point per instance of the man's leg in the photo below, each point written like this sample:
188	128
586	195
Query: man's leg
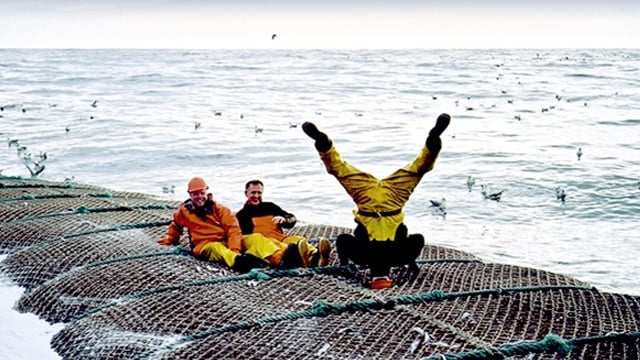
404	180
355	181
308	252
216	251
270	250
408	250
352	248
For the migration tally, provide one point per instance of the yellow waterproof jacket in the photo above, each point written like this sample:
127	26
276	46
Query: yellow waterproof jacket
218	224
379	202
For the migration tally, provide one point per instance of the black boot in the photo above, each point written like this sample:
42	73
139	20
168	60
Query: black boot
245	262
291	258
342	242
434	144
323	143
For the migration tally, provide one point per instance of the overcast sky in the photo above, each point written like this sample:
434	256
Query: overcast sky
374	24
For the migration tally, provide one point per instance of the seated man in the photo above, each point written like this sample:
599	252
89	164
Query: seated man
268	219
380	239
214	234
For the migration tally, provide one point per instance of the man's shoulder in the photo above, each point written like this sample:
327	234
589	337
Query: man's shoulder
268	204
263	208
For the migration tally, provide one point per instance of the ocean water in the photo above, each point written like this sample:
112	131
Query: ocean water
126	120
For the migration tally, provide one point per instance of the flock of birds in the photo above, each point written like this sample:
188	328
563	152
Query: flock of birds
33	163
440	206
197	125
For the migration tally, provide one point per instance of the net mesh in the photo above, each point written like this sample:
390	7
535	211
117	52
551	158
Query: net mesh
121	295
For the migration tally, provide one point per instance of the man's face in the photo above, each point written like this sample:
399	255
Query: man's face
198	198
254	194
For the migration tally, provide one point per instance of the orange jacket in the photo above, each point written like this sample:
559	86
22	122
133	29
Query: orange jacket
219	224
259	219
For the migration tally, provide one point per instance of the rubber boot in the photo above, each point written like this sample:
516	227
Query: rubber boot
434	143
323	143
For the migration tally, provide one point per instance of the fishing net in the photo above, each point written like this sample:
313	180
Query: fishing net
92	262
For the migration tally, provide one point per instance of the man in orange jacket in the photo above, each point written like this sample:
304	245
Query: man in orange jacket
215	235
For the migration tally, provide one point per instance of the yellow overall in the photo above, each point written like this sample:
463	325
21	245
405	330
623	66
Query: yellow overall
379	202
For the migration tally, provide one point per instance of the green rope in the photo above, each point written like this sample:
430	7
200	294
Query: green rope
551	343
119	227
82	210
106	229
37	186
254	274
626	337
67	196
103	195
39	197
175	251
86	210
435	261
323	309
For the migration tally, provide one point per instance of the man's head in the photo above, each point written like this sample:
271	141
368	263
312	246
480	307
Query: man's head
253	191
197	189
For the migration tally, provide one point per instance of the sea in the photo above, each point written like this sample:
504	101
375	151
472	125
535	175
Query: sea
149	120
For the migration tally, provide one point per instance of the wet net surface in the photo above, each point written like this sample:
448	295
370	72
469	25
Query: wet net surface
92	263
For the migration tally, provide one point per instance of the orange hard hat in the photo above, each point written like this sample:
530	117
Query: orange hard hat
197	184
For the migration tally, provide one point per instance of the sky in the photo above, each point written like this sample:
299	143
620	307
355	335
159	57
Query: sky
328	24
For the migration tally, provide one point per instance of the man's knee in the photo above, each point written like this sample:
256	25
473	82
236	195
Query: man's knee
407	250
416	241
344	245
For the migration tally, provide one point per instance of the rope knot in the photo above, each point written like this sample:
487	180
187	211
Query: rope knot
321	308
556	343
258	274
83	210
437	295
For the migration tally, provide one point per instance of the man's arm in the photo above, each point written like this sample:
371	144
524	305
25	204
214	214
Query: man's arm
174	231
283	218
231	228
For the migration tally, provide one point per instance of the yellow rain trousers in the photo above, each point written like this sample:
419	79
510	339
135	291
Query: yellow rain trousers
254	244
379	202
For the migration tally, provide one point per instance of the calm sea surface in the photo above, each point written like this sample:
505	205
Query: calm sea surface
126	120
